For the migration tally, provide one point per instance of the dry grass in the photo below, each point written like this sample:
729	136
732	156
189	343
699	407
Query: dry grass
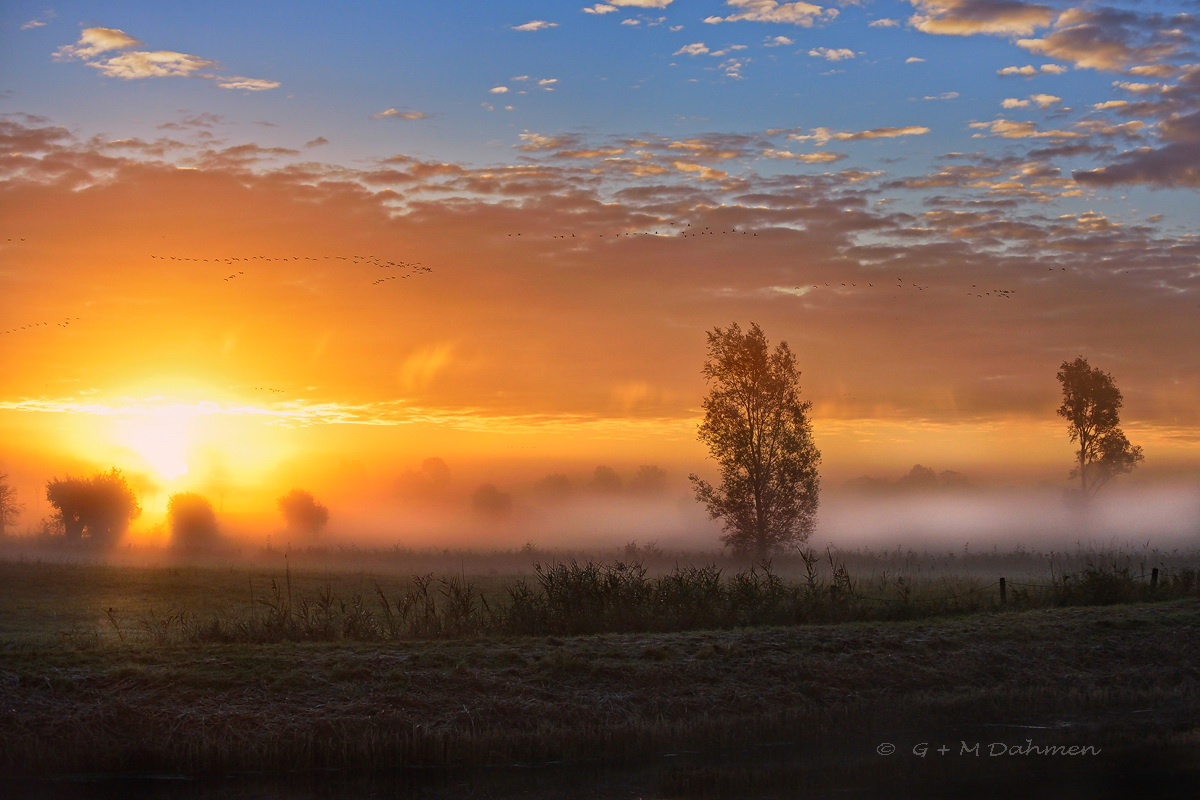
96	604
85	690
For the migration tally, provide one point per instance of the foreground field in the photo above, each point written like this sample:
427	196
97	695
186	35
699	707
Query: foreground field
1123	680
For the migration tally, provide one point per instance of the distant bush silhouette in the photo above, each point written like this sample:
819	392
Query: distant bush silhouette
193	521
95	511
490	502
303	514
918	479
605	480
648	480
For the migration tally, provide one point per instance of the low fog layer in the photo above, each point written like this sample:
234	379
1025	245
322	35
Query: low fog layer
603	509
1166	515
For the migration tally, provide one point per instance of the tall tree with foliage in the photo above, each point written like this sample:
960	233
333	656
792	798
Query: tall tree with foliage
10	509
757	430
1092	408
94	510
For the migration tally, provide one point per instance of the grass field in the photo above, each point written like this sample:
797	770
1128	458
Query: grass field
120	669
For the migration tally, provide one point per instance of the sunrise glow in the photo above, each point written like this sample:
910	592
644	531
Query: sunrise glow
233	270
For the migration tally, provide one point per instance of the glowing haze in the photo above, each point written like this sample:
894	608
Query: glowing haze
249	247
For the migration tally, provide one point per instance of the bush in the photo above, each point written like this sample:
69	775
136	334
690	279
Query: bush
303	514
96	511
193	522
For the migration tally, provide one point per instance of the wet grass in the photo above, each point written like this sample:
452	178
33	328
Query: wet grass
188	673
93	604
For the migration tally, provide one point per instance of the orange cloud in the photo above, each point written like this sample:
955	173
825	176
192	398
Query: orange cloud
969	17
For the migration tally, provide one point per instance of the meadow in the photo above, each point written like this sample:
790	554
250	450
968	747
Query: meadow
702	670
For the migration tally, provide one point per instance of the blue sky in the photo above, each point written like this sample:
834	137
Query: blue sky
337	65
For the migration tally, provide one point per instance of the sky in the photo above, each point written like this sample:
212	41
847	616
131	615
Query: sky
248	246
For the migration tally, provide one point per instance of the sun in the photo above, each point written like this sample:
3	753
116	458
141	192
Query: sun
182	435
162	437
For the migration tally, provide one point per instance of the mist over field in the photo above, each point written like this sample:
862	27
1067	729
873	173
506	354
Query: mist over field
1166	515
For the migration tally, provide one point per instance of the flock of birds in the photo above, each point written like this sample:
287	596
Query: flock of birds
682	230
65	322
402	269
409	268
983	294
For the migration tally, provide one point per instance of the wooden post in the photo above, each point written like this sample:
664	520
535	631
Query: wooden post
1153	579
1003	592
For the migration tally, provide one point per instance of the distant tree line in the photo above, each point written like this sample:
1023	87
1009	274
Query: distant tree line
490	502
96	512
918	479
647	480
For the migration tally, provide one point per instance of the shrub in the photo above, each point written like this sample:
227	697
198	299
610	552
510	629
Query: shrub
193	522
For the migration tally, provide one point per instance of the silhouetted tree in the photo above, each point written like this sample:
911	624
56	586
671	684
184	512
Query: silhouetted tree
648	479
490	502
919	478
1092	408
10	509
605	480
436	472
757	429
95	510
952	479
303	514
192	520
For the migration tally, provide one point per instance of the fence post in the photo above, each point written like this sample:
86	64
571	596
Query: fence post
1153	579
1003	592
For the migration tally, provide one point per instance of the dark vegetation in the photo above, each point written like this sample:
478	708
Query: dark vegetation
1092	408
645	591
575	598
95	511
281	666
304	516
1121	678
10	508
193	522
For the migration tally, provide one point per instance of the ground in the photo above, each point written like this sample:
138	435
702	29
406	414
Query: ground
765	707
